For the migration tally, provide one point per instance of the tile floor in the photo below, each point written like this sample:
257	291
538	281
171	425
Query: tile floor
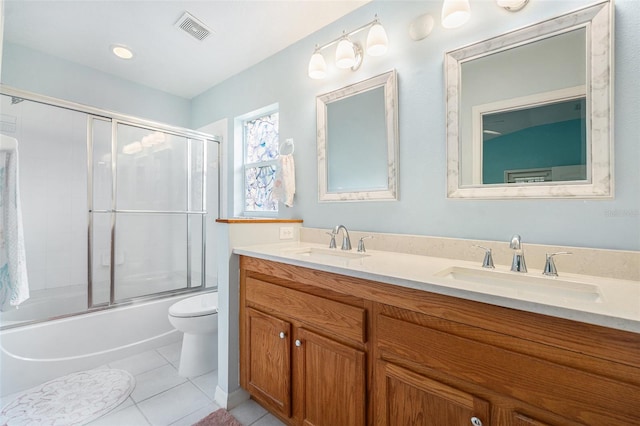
163	398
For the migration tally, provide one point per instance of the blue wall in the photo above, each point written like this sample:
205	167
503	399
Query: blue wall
37	72
423	207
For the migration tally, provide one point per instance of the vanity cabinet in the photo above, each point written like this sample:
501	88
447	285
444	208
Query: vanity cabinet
449	367
377	354
408	398
268	369
303	352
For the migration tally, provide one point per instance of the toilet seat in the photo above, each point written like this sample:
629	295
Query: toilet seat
197	306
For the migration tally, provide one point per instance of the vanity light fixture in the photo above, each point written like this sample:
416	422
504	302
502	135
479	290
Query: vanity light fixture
455	13
317	65
349	54
512	5
122	52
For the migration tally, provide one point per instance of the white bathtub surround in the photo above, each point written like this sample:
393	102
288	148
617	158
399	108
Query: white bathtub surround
607	302
619	264
33	354
74	399
14	284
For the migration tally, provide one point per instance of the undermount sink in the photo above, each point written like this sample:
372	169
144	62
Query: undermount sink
524	283
327	254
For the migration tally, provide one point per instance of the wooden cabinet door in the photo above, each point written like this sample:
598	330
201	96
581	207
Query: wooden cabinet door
407	398
522	420
269	360
330	381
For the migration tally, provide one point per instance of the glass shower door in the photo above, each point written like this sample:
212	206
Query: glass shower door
158	213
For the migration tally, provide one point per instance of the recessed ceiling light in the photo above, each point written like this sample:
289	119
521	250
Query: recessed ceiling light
121	51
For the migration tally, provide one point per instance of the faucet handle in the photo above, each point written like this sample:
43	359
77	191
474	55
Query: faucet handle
550	265
332	243
361	247
488	258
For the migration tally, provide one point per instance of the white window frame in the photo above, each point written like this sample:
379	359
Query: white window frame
241	166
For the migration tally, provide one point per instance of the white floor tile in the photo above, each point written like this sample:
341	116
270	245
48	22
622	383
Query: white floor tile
268	420
172	353
156	381
207	383
140	363
174	404
129	416
248	412
196	416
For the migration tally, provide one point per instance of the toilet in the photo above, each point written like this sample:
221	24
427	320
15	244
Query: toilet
197	318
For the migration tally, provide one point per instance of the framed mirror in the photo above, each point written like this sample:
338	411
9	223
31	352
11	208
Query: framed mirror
357	141
529	113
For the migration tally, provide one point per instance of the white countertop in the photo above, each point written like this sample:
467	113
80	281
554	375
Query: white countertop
618	304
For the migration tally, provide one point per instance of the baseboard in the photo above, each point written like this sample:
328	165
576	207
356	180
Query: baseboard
230	400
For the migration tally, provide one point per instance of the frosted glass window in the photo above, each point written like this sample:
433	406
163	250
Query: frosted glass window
260	158
258	188
151	170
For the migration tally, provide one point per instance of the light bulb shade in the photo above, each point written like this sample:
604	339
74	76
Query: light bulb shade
455	13
345	54
317	66
377	40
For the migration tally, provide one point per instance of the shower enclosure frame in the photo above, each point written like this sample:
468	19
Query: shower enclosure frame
92	114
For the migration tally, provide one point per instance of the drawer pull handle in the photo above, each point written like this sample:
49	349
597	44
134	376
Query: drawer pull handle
283	335
476	421
298	343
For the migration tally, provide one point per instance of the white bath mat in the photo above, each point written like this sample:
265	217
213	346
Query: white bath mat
75	399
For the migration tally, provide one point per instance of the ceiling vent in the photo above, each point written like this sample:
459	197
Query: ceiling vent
193	27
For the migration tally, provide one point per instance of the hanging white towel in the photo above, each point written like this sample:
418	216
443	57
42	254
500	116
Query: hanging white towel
284	186
14	285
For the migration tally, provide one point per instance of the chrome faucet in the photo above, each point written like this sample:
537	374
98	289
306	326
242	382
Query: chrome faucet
488	257
346	241
550	266
518	264
332	243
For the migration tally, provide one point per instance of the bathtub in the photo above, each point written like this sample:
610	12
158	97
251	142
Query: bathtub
33	354
50	303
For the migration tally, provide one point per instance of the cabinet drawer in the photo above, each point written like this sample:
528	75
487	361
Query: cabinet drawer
568	392
334	317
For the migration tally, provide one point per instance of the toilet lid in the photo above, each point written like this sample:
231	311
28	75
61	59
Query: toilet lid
196	306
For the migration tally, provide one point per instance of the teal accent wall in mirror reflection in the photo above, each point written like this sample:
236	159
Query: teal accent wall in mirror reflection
539	148
548	145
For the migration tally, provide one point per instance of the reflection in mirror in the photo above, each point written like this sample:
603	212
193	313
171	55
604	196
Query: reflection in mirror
357	141
529	112
545	143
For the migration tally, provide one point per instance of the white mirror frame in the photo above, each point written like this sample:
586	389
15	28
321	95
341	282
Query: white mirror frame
388	81
598	21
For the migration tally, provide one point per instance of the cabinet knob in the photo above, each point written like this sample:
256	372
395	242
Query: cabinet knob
476	421
298	343
282	335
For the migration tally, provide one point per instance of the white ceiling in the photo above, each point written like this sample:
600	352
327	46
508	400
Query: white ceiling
166	58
